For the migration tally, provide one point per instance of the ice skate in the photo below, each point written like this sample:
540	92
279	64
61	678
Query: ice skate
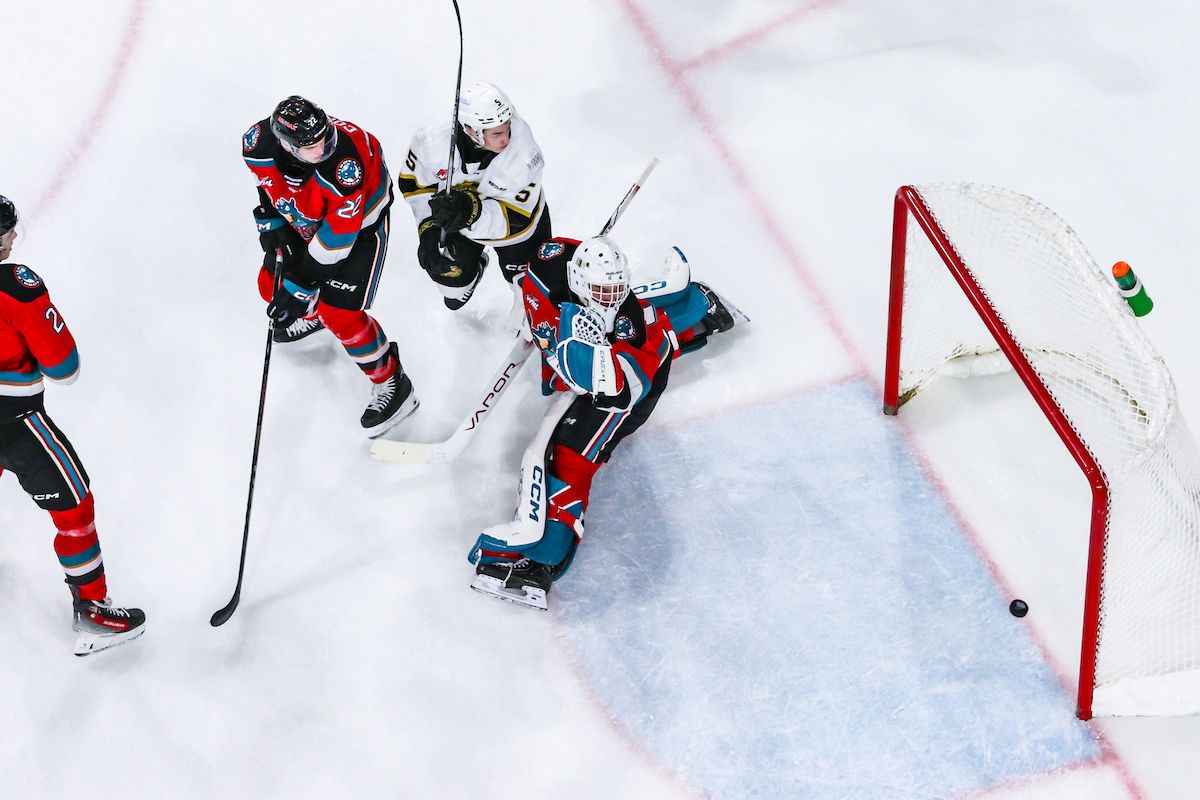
722	315
297	330
391	401
522	582
102	625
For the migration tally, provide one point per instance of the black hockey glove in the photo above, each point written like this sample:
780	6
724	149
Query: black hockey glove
272	228
291	302
429	250
457	210
275	234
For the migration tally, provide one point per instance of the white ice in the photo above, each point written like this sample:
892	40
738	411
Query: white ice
681	658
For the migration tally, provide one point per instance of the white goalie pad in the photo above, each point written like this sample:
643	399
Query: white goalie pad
529	524
676	275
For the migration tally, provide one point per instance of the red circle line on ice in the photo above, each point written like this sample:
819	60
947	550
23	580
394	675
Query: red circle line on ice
68	165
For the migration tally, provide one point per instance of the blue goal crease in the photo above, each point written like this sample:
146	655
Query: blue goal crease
816	626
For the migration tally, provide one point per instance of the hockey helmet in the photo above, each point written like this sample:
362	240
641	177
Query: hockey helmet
598	274
482	106
8	215
299	123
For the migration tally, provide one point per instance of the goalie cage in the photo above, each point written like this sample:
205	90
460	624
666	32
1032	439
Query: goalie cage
1060	322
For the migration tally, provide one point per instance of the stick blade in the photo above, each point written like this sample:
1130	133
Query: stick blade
404	452
221	616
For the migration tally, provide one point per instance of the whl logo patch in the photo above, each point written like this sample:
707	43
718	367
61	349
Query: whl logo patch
26	277
349	172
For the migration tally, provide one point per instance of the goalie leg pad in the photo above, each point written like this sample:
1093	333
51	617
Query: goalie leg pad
685	308
567	489
676	276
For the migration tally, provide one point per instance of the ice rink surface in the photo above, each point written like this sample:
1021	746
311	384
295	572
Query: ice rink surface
781	594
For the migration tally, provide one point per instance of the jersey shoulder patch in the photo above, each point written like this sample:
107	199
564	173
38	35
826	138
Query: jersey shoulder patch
20	282
550	250
349	172
259	145
250	138
343	172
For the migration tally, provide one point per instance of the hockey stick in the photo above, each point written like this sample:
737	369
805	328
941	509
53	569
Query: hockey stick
221	616
454	118
457	95
448	450
628	198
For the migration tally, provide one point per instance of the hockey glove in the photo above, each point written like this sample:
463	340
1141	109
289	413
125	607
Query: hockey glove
271	228
455	210
429	251
276	235
583	356
291	302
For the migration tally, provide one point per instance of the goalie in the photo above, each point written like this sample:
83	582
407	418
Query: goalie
614	352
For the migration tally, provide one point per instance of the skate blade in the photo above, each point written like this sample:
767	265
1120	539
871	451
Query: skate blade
529	596
88	643
738	315
410	405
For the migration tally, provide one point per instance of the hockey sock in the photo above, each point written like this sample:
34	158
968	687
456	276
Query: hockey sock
364	340
78	549
266	284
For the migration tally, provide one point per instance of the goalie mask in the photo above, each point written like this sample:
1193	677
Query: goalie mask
599	276
481	107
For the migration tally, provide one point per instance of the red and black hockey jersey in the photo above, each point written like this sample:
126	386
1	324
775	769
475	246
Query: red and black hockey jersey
34	342
327	203
642	340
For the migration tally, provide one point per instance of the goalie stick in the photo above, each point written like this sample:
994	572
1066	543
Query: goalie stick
628	198
437	452
448	450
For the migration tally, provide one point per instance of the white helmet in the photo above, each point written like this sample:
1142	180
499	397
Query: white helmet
482	106
599	275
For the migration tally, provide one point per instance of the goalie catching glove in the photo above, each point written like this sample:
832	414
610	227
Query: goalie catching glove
582	356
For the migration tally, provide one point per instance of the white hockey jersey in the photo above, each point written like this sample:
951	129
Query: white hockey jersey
509	183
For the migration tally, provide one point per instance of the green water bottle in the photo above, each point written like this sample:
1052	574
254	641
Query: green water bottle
1132	289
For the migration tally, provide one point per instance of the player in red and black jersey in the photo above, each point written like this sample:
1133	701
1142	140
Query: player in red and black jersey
324	203
35	343
598	340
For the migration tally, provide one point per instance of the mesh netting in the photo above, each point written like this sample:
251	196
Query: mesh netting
1084	343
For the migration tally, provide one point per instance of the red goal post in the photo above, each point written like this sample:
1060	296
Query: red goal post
985	270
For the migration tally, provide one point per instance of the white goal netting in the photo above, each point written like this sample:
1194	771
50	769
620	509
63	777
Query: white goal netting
1113	390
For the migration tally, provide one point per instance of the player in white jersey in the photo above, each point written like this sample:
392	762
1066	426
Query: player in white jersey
496	200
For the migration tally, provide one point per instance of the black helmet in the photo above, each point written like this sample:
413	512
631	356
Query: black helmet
297	123
8	215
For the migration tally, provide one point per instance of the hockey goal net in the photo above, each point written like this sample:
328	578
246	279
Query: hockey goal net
1034	294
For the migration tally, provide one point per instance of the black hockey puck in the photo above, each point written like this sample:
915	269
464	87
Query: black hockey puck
1018	608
